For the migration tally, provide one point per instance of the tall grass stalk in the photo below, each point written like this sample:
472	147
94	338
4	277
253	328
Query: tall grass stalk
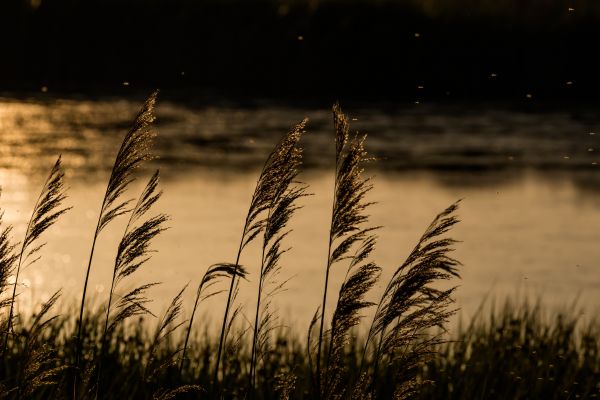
134	150
132	253
280	212
272	173
47	210
345	230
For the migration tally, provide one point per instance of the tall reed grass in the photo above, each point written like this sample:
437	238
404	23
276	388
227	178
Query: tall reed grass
111	353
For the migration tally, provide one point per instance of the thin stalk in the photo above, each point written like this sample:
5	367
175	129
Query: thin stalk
187	335
326	281
260	286
110	298
254	336
330	348
78	342
104	338
229	299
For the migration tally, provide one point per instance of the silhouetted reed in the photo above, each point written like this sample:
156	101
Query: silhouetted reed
349	240
280	211
278	168
411	307
47	209
132	253
134	150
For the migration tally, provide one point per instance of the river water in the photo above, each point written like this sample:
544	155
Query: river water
530	214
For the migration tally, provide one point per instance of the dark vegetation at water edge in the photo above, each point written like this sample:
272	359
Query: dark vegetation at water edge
519	352
515	353
111	353
375	49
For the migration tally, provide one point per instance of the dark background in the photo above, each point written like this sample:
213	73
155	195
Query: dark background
355	50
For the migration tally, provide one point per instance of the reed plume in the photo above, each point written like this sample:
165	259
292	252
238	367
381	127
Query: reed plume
211	277
411	306
132	253
268	186
48	208
134	150
346	231
282	208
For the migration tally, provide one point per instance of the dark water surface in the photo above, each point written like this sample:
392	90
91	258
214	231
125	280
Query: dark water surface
530	214
419	136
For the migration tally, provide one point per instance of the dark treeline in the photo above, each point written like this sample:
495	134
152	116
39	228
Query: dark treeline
382	50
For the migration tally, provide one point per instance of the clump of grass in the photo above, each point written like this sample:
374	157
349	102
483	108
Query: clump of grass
35	368
520	351
39	364
500	355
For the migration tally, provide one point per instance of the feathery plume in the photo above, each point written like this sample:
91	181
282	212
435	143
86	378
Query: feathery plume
282	208
47	210
132	253
346	232
411	306
273	177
